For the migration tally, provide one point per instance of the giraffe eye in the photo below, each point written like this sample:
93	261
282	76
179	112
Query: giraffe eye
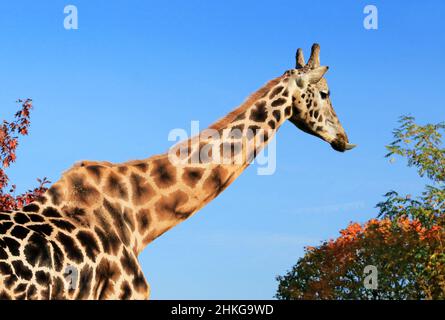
324	94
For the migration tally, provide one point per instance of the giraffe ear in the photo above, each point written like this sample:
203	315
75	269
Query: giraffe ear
314	75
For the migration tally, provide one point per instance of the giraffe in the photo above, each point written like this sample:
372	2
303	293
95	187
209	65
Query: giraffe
95	221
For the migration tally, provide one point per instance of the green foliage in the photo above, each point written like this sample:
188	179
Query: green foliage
422	146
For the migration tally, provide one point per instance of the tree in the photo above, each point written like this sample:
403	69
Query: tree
406	243
9	137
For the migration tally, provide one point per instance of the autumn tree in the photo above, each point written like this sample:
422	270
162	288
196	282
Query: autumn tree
9	141
406	243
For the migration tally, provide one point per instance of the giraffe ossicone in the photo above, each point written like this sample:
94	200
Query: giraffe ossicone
81	239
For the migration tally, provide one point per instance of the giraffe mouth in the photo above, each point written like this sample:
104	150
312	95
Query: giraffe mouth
341	145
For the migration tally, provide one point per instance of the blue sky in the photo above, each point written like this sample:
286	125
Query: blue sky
113	89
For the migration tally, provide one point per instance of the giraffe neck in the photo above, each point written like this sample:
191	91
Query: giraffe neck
135	202
207	164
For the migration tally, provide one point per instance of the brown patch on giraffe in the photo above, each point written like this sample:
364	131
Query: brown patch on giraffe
32	207
191	176
10	278
42	277
168	207
125	291
129	263
31	292
21	218
89	243
21	287
78	215
58	256
19	232
141	189
41	228
109	240
71	248
82	191
163	173
51	212
5	226
107	273
5	216
85	280
139	283
35	217
115	187
141	166
37	252
259	113
5	268
276	91
143	221
271	124
216	182
63	224
278	102
3	254
287	111
12	245
96	172
21	270
120	226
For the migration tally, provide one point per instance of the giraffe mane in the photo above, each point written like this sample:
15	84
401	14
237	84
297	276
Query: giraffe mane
222	123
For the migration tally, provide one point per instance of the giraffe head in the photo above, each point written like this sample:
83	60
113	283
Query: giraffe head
312	109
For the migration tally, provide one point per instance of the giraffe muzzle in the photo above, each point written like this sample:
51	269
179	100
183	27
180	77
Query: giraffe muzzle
341	145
